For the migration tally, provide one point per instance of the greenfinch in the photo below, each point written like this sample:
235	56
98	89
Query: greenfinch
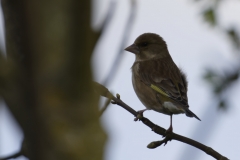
159	84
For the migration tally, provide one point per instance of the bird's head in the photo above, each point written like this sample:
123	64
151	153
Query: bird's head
148	46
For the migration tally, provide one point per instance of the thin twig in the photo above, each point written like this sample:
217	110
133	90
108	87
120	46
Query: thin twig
103	91
106	104
12	156
126	34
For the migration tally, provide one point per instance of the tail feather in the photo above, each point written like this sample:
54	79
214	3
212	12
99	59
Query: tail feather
191	114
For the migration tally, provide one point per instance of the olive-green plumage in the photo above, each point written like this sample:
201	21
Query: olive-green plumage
157	81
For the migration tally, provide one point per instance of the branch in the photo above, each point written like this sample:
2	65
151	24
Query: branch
24	151
126	34
12	156
103	91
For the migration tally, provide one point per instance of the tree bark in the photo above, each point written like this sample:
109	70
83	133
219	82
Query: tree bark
46	80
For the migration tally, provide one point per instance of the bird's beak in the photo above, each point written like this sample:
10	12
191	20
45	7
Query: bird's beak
133	48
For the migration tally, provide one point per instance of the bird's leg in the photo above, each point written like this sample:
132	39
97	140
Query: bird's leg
140	114
170	129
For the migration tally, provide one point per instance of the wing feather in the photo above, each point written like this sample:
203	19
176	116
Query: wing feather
163	76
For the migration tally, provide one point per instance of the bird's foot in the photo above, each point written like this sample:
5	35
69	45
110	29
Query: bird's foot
168	131
139	115
156	144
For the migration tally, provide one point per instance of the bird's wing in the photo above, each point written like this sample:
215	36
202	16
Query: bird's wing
163	76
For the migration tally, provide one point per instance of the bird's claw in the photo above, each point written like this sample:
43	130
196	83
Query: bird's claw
156	144
139	116
166	139
168	131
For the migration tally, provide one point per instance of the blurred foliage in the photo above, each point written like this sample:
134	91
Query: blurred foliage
221	82
209	16
234	37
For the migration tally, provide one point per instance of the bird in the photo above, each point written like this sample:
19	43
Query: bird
157	81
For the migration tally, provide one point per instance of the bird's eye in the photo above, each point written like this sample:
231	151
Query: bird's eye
144	44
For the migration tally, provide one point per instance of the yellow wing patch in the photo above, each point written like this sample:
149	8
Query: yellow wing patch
159	90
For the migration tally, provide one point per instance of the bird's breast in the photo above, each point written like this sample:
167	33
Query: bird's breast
145	94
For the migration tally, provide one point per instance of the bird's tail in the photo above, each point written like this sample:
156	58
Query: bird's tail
191	114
